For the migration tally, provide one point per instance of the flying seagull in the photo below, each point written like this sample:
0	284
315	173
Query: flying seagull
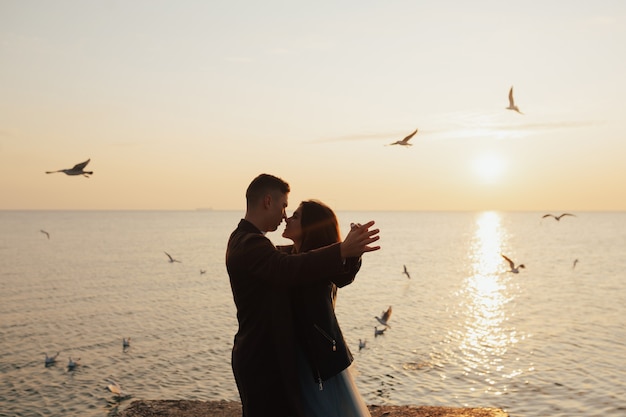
78	169
513	269
45	233
385	316
405	141
172	260
406	272
575	262
512	105
125	343
557	218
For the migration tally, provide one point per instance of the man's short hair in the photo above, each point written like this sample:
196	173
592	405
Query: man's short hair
265	184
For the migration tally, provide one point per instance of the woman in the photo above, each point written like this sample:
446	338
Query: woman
327	386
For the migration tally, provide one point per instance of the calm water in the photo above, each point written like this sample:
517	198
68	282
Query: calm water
550	341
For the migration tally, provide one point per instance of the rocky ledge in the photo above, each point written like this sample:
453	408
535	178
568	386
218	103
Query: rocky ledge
184	408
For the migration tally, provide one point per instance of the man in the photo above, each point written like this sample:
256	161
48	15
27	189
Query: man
262	358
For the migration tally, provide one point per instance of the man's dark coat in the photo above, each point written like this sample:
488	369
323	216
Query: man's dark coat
263	356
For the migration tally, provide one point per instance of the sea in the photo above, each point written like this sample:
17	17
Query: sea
464	331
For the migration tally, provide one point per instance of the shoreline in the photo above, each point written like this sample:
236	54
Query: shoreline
223	408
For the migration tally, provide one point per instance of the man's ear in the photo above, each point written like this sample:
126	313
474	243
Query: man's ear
267	201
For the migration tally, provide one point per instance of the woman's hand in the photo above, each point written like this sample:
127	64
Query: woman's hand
359	239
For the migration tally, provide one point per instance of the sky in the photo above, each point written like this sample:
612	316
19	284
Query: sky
180	104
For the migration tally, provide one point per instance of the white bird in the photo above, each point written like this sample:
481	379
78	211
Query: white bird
513	269
362	344
45	233
115	388
71	365
51	360
512	105
379	332
384	317
406	272
78	169
405	141
172	260
125	343
557	218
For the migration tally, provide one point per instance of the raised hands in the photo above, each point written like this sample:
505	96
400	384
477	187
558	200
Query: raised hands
358	241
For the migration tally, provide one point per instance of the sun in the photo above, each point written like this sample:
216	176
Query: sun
489	167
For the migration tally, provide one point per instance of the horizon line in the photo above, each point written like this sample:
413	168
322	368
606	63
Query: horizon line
339	210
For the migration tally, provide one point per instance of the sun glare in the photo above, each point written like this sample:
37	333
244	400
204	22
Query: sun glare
489	167
487	333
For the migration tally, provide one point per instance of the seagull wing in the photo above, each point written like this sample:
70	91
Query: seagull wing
511	101
406	139
81	166
511	264
387	315
547	215
565	214
169	256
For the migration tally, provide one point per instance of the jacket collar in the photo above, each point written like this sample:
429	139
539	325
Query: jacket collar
249	227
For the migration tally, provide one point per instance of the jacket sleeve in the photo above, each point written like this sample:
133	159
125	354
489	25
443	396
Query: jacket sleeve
348	274
256	255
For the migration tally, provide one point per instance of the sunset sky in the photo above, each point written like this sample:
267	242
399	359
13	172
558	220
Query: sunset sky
179	104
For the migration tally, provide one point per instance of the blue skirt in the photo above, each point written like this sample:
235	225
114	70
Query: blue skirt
338	398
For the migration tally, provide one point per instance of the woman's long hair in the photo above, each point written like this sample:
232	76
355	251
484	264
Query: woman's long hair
319	225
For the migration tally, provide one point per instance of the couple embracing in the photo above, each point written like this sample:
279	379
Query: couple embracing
289	357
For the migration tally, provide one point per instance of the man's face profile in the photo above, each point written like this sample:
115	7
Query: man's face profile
278	206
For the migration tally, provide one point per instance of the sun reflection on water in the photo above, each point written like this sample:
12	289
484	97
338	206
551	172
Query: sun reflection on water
486	337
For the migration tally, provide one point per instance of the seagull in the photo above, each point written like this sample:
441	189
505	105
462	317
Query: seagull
406	272
78	169
512	105
362	344
405	141
71	365
115	388
45	233
379	332
125	343
575	262
557	218
513	269
384	317
172	260
51	360
202	271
